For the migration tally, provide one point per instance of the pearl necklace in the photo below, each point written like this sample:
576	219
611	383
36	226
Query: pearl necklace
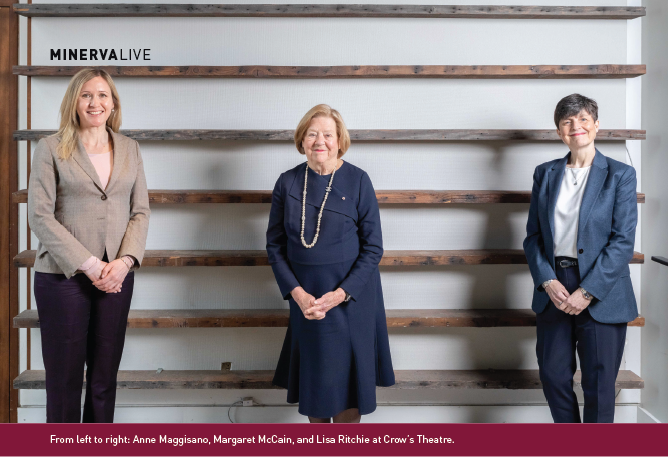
322	207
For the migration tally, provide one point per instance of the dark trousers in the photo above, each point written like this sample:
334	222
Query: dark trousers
81	324
599	347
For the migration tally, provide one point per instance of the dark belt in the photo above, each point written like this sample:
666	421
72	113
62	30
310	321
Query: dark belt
567	263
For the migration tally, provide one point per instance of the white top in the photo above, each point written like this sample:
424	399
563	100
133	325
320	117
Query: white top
567	212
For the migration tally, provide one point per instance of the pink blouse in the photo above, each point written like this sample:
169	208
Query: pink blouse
102	164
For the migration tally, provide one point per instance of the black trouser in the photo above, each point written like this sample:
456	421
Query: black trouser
80	323
599	347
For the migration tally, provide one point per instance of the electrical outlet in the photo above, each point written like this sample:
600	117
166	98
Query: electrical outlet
247	401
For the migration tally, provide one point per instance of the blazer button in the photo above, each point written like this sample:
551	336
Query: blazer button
104	197
581	251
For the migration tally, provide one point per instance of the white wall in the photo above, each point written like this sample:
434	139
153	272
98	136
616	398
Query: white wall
393	104
655	215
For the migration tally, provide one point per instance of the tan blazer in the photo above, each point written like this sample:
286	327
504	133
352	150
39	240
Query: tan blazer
74	217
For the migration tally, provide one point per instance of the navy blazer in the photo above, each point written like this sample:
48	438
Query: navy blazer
606	236
350	226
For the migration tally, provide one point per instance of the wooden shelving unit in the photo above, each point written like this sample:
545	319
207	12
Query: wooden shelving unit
420	318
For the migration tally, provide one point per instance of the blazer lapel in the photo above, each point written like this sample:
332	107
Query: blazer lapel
120	154
81	157
556	175
597	175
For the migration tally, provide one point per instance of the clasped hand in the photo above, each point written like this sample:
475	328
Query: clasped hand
572	304
316	309
108	277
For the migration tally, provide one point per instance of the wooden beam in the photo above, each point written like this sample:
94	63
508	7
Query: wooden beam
239	258
605	71
9	215
396	318
355	135
209	196
181	318
331	10
261	379
385	197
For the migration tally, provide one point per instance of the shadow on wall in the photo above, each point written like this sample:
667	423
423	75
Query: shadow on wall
217	164
207	288
498	235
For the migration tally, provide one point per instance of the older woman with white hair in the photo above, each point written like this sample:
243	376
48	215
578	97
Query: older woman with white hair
325	243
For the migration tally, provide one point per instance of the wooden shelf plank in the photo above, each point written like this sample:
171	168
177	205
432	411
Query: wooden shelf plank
180	318
604	71
385	197
238	258
209	196
261	379
330	10
396	318
355	135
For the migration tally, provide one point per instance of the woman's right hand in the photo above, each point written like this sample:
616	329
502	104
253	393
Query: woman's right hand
95	271
558	293
306	303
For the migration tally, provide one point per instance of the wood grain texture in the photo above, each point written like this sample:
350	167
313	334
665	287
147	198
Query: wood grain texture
355	135
196	318
330	10
238	258
9	214
396	318
604	71
385	197
261	379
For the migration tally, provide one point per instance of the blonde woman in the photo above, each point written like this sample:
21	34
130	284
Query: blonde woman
324	243
88	206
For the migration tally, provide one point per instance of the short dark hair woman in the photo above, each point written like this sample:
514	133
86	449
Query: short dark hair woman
88	206
580	238
324	243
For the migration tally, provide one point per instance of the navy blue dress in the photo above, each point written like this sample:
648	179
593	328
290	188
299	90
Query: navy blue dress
332	364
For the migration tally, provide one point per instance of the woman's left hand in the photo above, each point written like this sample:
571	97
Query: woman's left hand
112	276
575	304
330	300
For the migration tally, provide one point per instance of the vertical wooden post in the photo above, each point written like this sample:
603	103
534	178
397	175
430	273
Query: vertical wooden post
9	293
28	165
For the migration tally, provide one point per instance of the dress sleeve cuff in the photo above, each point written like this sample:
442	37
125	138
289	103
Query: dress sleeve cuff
353	285
285	278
